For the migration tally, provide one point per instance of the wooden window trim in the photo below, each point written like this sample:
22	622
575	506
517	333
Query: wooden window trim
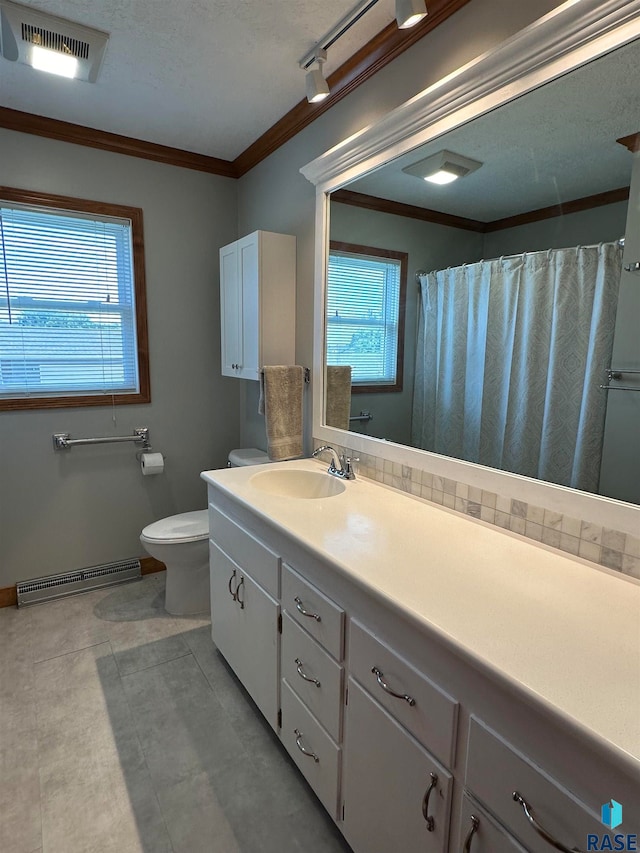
403	257
134	214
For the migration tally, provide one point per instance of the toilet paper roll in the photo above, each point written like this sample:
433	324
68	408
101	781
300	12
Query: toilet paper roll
151	463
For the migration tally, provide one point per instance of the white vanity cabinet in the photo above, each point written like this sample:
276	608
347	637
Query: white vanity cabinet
411	739
257	303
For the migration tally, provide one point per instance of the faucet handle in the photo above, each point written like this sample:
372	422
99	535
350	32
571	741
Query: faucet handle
347	467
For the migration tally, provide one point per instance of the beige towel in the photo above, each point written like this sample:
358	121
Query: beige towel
338	406
281	393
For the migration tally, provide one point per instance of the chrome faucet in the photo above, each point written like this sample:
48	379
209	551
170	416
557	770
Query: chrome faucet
340	465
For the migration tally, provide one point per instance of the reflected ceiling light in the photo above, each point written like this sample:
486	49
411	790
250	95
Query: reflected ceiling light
317	88
49	43
443	167
410	12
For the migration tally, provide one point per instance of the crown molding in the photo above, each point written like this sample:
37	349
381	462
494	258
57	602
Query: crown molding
66	131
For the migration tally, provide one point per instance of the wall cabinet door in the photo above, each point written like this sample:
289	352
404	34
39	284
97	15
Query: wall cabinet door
230	310
257	303
244	627
389	793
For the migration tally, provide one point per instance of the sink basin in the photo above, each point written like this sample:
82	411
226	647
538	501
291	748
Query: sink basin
298	484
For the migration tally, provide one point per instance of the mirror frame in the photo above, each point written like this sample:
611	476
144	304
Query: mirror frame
573	34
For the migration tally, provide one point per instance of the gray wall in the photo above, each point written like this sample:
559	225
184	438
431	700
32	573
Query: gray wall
61	511
274	195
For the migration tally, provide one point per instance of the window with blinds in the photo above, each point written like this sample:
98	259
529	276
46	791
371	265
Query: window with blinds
69	322
365	314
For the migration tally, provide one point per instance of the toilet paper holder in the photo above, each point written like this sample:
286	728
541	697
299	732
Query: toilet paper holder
63	440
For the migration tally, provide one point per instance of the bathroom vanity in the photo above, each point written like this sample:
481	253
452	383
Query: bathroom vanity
441	684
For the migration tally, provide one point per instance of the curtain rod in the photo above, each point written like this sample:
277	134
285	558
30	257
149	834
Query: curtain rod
420	273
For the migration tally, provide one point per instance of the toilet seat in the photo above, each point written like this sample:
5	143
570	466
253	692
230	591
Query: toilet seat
184	527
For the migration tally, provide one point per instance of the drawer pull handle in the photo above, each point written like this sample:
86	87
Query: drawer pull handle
475	824
431	824
302	749
380	679
238	599
231	592
300	609
542	832
304	675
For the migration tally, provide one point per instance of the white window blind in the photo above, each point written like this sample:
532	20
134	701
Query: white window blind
67	309
363	296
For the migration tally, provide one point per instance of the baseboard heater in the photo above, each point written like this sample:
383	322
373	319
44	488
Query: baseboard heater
51	587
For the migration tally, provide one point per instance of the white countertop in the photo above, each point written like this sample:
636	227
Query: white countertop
561	629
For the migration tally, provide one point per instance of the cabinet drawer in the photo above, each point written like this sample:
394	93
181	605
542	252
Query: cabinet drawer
325	621
320	761
495	770
397	797
302	658
250	554
433	715
479	833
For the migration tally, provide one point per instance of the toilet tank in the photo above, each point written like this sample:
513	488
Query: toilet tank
247	456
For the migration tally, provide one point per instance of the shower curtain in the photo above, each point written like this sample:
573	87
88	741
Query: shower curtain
509	358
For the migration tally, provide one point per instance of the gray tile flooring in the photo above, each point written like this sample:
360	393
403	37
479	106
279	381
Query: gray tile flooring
122	729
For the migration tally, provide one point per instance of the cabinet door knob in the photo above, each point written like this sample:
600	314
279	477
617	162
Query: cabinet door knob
300	609
431	824
475	823
542	832
380	679
303	749
304	675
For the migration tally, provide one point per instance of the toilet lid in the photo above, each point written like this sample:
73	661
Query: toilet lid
186	527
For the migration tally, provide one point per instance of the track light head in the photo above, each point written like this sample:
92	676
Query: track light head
410	12
317	88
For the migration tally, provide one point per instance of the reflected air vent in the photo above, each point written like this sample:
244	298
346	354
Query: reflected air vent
55	41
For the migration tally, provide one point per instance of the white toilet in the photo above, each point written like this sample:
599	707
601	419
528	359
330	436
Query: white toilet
181	542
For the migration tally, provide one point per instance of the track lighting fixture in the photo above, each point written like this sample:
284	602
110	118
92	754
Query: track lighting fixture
410	12
317	88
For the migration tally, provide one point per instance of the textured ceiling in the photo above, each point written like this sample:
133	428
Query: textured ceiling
552	145
208	76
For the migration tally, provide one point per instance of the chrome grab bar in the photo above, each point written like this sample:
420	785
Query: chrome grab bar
542	832
380	679
614	375
63	440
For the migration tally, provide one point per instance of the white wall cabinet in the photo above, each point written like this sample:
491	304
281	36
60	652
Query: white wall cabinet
257	303
409	746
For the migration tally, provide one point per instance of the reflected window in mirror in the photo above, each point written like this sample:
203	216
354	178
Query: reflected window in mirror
366	297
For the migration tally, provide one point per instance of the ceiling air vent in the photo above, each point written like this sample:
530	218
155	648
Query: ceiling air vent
24	30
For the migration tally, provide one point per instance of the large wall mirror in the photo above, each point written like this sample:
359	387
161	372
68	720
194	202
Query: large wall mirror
517	306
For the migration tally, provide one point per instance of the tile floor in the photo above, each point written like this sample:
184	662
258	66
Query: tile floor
122	729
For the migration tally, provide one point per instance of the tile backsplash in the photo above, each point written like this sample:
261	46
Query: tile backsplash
606	547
